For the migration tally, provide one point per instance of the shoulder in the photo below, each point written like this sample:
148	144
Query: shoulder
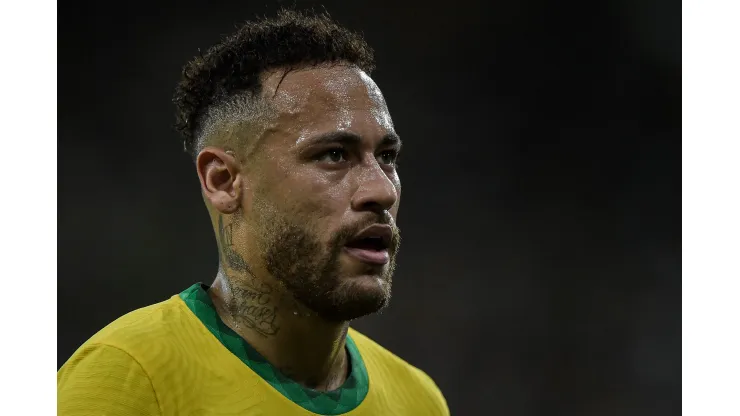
112	371
140	335
102	379
406	379
133	331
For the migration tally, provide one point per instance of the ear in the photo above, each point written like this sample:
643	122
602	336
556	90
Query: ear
220	179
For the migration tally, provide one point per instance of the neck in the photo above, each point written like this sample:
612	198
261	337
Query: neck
300	344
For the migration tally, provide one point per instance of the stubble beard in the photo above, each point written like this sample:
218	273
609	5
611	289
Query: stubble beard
312	272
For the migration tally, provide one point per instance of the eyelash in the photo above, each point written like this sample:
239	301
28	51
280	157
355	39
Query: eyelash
343	152
394	155
327	152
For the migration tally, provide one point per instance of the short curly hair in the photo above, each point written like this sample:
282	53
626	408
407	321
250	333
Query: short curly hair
225	82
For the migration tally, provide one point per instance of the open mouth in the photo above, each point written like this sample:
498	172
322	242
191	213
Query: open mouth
371	245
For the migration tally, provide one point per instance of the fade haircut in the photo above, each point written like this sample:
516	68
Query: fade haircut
224	85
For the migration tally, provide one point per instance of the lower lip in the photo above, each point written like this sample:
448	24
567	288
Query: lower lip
369	256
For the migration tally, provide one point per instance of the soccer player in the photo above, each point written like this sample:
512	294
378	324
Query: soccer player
296	155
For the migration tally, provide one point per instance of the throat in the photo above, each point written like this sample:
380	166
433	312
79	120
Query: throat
331	378
310	351
314	360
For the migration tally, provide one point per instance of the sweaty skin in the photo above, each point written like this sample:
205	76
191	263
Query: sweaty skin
321	170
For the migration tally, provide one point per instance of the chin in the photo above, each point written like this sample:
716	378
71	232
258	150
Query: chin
367	282
355	297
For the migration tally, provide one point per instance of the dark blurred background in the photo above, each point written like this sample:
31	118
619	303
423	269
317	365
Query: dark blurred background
541	267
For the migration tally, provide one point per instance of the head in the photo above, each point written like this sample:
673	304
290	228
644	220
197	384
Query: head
296	154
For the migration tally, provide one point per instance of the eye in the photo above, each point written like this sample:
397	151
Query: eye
388	157
333	156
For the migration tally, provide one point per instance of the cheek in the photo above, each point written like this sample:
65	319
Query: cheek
397	182
395	207
316	202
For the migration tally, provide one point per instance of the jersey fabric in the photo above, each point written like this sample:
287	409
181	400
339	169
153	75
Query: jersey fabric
178	358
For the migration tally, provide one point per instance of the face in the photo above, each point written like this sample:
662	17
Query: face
325	191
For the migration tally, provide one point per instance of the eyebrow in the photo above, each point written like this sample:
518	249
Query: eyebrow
350	139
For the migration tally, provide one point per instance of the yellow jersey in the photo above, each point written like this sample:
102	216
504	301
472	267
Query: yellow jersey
178	358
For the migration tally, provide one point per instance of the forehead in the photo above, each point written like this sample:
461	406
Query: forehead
338	97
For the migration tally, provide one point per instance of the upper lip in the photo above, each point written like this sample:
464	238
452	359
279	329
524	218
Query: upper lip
385	232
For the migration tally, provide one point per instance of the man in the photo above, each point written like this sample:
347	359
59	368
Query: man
296	155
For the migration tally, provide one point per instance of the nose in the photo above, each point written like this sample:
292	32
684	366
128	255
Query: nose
375	190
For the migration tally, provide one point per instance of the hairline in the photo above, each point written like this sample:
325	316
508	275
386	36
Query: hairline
262	107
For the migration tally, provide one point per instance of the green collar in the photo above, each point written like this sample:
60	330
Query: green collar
335	402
